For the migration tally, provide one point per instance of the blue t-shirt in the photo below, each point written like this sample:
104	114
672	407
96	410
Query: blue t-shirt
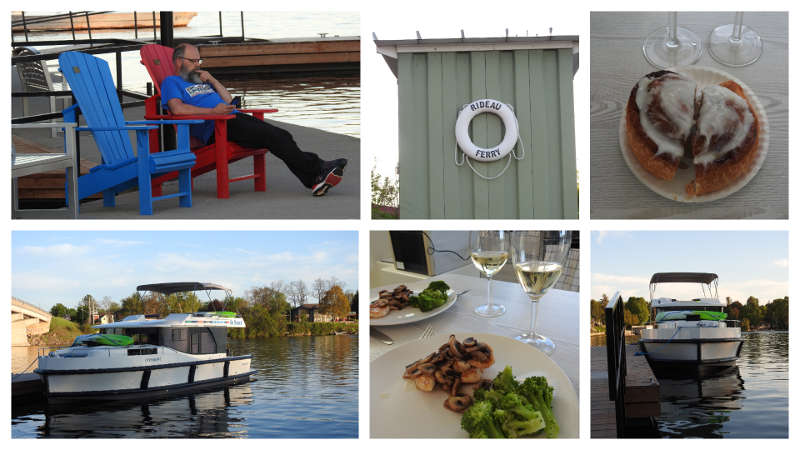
201	95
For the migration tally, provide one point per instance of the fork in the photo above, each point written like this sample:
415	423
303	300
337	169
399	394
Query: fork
427	333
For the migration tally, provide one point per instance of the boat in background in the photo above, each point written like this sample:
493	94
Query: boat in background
102	21
690	333
144	355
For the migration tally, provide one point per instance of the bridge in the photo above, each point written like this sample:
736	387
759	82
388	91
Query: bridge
27	320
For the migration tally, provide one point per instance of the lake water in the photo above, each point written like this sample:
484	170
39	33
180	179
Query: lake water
330	103
750	400
306	387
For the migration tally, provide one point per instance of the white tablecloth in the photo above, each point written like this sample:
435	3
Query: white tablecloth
558	318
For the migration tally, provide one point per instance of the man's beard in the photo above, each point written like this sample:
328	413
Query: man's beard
191	76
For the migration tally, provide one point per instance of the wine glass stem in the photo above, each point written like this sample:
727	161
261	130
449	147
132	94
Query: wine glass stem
534	316
489	291
737	27
672	40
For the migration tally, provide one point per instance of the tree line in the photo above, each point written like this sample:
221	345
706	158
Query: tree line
773	315
265	309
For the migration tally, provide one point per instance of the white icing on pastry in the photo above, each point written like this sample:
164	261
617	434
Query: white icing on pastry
724	117
671	102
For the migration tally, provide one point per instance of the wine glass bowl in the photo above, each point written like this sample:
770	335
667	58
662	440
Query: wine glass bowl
539	258
489	254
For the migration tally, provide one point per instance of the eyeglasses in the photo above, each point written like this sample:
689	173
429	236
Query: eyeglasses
195	61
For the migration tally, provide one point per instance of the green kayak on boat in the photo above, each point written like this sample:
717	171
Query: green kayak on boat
94	340
682	315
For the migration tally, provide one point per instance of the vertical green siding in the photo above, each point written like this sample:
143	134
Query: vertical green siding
538	84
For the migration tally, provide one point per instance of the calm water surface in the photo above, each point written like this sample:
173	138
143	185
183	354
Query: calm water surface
306	387
750	400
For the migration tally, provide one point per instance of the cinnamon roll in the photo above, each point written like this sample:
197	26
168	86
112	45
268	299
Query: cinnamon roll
715	128
725	141
659	121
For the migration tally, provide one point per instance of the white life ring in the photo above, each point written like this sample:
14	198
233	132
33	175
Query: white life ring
487	105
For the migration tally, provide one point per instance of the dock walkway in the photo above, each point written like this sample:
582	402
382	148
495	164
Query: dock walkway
641	392
285	198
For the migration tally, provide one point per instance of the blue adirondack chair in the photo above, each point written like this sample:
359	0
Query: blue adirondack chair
89	78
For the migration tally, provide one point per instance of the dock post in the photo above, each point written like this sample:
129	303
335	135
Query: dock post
166	28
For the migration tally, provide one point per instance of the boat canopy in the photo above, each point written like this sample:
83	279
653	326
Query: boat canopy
181	286
683	277
200	319
708	283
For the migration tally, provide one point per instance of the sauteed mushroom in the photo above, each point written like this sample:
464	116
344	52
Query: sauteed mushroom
450	367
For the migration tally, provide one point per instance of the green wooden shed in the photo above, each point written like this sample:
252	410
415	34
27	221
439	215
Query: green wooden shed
436	77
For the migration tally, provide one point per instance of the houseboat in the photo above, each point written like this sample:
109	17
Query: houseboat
690	332
143	355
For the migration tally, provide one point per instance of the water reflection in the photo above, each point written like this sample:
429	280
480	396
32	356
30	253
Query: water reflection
692	407
747	400
304	387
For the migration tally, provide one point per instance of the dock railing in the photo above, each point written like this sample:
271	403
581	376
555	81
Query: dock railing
615	352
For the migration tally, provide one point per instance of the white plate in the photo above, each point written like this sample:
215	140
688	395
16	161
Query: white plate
399	410
413	314
675	189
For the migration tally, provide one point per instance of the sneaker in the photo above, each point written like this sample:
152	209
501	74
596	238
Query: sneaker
331	175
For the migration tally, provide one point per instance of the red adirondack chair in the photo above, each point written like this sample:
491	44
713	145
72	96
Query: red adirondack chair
158	61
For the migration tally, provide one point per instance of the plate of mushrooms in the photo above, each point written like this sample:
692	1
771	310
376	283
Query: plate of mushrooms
422	388
392	307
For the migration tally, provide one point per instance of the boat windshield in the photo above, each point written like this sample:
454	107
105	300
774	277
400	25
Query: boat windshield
684	291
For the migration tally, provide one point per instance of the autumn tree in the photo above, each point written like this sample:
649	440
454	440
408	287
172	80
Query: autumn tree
336	302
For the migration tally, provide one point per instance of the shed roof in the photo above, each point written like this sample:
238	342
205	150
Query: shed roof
683	277
391	48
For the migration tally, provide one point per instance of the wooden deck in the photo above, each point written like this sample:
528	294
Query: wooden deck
641	392
284	55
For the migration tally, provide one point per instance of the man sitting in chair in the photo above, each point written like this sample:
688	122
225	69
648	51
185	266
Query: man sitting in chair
192	91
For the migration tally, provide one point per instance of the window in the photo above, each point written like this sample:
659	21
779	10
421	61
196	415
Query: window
178	334
142	351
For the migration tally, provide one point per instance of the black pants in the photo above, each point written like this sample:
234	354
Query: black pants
250	132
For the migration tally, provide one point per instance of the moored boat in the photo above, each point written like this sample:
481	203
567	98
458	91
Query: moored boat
103	21
142	355
692	332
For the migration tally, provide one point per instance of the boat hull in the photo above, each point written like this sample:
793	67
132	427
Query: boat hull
128	382
692	345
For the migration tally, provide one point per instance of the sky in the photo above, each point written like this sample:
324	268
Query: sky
747	262
63	266
442	20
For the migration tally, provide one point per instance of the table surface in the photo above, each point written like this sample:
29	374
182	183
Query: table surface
617	63
558	318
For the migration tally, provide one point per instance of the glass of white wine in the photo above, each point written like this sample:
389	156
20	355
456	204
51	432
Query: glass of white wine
539	258
489	254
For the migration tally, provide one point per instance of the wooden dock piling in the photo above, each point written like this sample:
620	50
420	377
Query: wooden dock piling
641	392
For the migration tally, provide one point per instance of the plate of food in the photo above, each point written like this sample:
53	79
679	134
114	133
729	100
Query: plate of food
401	305
477	385
693	134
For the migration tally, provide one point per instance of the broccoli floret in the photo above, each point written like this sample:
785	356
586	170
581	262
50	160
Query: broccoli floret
524	427
479	422
540	395
518	406
439	286
505	382
491	396
428	299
